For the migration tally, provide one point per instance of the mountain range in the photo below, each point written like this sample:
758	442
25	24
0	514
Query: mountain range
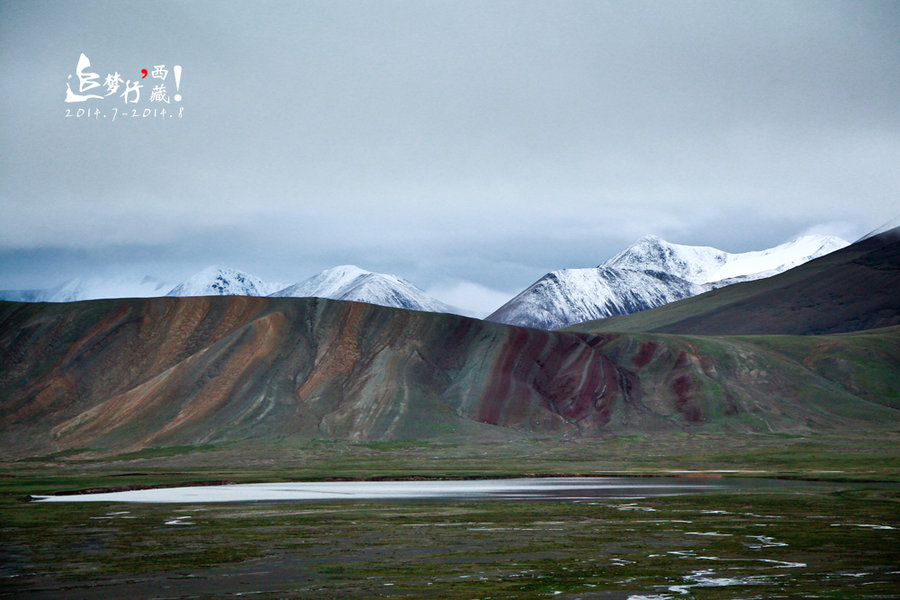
77	289
855	288
651	272
123	375
346	282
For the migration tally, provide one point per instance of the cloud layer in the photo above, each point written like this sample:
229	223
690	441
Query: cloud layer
447	142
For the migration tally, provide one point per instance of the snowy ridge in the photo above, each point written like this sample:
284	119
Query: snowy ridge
222	281
703	265
692	263
571	296
349	282
75	290
346	282
649	273
891	225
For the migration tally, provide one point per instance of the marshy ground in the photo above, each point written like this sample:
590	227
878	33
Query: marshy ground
833	539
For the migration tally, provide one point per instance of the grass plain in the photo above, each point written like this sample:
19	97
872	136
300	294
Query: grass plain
842	525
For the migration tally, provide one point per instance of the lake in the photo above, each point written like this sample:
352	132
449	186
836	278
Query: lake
538	488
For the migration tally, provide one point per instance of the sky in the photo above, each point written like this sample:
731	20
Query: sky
469	147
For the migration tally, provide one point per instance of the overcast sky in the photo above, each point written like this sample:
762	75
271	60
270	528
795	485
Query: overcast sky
469	147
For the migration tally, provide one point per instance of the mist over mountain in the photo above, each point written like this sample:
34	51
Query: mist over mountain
345	282
77	289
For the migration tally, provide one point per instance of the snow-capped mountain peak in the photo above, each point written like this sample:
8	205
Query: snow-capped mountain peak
349	282
705	265
328	283
649	273
570	296
693	263
222	281
345	282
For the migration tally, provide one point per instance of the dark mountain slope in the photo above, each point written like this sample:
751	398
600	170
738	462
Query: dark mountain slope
852	289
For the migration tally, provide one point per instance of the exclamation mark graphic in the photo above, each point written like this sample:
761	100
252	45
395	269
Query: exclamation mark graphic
177	70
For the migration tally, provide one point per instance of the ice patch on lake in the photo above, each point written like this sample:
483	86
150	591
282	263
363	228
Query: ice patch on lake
546	488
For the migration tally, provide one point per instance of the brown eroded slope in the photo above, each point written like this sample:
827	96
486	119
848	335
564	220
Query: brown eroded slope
162	371
130	374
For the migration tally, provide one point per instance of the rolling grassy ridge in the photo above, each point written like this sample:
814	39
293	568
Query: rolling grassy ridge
766	383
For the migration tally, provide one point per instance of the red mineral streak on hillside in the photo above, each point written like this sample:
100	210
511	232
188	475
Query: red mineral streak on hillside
129	374
137	373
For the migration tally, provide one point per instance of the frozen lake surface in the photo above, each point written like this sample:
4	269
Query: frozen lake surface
539	488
